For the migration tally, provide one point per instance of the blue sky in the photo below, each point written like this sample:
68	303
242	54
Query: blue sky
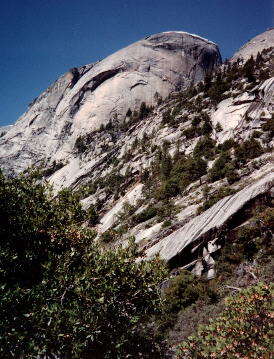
42	39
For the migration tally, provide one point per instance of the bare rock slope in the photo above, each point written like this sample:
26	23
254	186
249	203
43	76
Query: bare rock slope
85	98
255	45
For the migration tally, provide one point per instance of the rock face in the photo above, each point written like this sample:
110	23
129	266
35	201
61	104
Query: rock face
212	219
255	45
230	113
85	98
114	167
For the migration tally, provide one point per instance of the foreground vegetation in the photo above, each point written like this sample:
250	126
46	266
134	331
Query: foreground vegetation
243	330
60	294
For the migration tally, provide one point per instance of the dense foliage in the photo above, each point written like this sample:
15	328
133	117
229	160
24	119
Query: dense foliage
183	291
60	294
243	330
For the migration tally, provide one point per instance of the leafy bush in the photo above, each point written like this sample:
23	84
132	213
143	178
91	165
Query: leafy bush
144	110
218	127
191	132
178	175
169	188
54	167
256	134
226	145
206	128
269	126
249	68
166	209
223	167
168	118
195	121
246	240
188	169
129	112
166	223
266	217
184	290
247	150
80	144
113	182
145	215
86	190
109	236
92	216
219	86
60	294
243	330
205	148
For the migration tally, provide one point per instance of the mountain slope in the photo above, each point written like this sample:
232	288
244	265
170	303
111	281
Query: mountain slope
161	142
255	45
83	100
150	171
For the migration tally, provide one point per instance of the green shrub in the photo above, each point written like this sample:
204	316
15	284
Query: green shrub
166	209
218	127
109	236
256	134
248	69
246	239
188	169
184	290
178	175
191	132
243	330
168	118
86	190
217	88
205	147
158	98
195	121
166	223
145	215
248	150
269	126
80	144
54	167
129	112
144	110
266	217
169	188
60	294
92	216
223	167
165	165
206	128
227	145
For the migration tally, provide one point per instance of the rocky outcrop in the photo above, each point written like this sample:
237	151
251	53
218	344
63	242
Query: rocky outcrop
255	45
211	220
257	105
85	98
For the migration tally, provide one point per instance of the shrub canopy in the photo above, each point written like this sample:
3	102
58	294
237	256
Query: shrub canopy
60	294
243	330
